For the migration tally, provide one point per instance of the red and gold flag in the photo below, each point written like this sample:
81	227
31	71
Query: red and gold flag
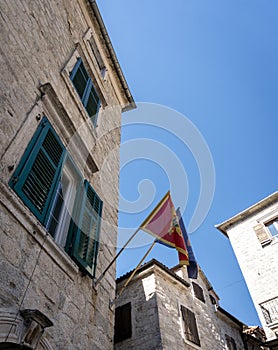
163	223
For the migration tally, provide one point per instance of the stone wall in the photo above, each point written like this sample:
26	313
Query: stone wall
40	40
144	313
156	297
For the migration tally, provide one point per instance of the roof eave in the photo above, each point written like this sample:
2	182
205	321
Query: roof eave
223	227
130	104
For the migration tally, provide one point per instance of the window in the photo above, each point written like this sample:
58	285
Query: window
50	185
266	231
97	55
272	227
231	345
85	89
123	329
190	326
198	292
213	300
270	310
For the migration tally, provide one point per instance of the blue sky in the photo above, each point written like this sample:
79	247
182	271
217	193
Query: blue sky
215	62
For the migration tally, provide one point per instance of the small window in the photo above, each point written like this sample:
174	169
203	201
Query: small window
49	184
266	231
272	227
190	326
270	310
198	292
97	55
212	299
85	89
230	342
123	327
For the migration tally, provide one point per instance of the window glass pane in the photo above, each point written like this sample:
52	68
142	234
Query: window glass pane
61	211
273	227
92	104
56	211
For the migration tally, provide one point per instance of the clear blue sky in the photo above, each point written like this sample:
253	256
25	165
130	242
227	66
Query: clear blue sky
215	62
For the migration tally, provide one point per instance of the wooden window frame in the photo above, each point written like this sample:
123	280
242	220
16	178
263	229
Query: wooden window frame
190	326
198	292
230	342
123	323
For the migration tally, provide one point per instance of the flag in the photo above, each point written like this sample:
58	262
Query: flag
163	223
192	268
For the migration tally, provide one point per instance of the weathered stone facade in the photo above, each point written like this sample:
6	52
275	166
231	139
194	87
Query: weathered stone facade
256	250
41	41
157	295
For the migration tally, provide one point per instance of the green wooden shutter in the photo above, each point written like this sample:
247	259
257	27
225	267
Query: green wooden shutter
84	229
36	177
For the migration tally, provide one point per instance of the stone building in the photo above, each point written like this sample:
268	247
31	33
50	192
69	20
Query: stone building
162	308
253	234
62	94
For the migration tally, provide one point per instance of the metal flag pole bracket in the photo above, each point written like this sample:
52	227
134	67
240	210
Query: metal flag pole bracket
96	282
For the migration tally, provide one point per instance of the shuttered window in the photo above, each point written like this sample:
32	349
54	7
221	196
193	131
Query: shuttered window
190	326
85	89
38	182
198	292
231	344
123	327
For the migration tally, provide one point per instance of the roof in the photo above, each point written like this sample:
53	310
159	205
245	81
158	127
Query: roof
231	317
150	264
257	207
130	104
203	276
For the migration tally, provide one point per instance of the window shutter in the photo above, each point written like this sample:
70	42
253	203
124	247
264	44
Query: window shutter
84	229
190	325
85	89
198	291
231	344
261	232
37	175
123	328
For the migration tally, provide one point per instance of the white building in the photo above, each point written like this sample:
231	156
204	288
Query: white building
254	237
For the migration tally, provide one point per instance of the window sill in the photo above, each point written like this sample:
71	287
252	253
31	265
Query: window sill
273	326
271	241
192	345
26	219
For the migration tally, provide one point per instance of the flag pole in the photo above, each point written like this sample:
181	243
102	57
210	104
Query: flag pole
95	283
132	275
